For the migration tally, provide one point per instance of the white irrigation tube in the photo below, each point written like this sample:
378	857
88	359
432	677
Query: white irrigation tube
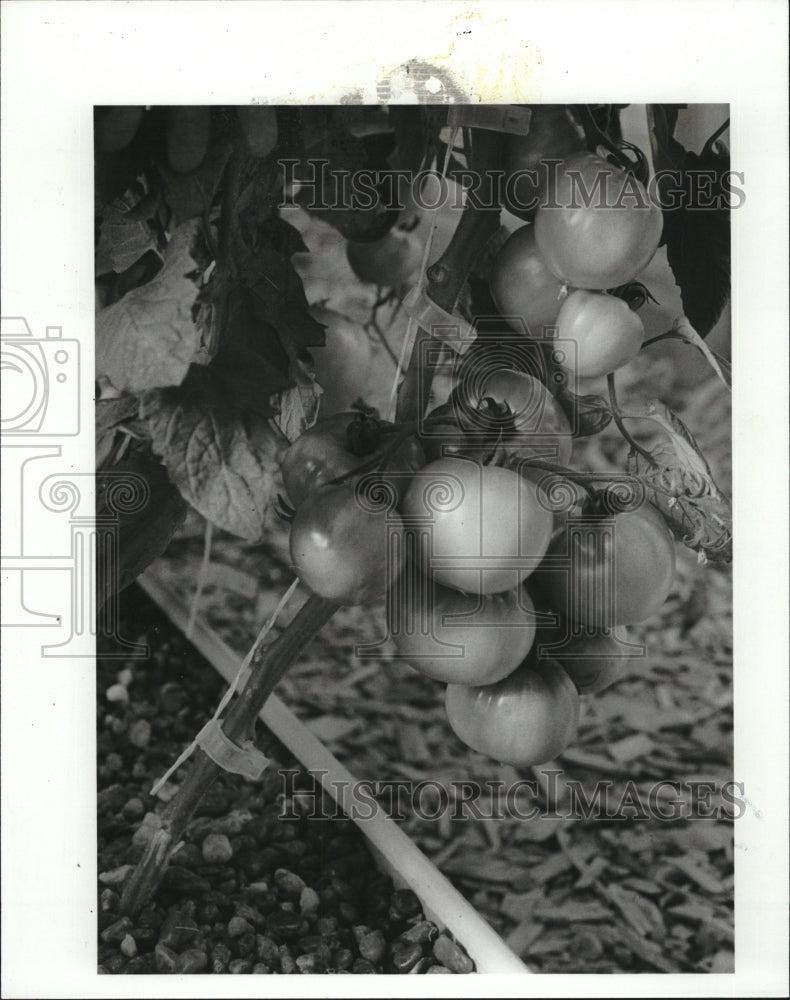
396	852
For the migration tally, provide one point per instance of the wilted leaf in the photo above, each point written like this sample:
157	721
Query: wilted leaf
222	464
298	405
587	415
123	239
148	339
680	485
138	495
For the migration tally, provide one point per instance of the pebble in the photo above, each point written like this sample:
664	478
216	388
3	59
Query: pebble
239	966
216	849
261	969
166	959
362	967
405	956
184	882
238	926
108	900
221	956
373	946
128	946
286	925
125	676
308	900
140	733
178	930
440	969
451	956
287	964
142	835
310	964
420	933
133	810
117	693
117	930
405	903
344	958
288	884
191	961
113	762
232	824
266	950
188	856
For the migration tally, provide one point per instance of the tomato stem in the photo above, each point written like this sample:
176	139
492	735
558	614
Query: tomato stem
618	419
239	723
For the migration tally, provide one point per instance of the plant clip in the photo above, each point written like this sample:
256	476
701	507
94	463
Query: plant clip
246	760
512	119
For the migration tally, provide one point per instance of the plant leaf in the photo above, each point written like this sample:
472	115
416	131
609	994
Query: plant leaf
148	339
680	485
223	464
298	405
122	239
696	219
190	195
720	365
142	534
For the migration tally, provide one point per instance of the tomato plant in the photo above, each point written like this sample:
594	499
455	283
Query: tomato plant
526	719
521	283
597	227
638	557
339	547
606	332
479	515
461	638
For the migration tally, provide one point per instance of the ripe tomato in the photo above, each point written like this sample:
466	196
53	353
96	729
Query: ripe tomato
636	567
594	660
607	332
340	549
477	515
323	453
540	427
551	135
521	283
459	638
392	261
526	719
603	243
349	365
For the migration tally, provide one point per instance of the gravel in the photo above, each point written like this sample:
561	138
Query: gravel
248	891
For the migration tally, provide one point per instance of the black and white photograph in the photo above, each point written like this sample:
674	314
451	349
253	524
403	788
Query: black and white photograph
403	531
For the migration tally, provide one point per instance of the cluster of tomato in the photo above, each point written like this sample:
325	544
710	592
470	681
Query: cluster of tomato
455	525
474	562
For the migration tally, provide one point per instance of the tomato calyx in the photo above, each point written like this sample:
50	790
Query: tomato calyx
617	152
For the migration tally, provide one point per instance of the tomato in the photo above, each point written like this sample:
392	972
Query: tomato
323	453
259	125
605	242
521	283
460	638
187	133
551	135
349	365
116	126
606	331
392	261
638	570
594	660
540	427
526	719
477	513
340	549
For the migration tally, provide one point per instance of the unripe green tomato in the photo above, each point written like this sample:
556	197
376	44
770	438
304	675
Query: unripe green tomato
552	134
487	519
521	283
596	228
340	548
483	638
187	133
606	332
526	719
612	579
593	659
393	261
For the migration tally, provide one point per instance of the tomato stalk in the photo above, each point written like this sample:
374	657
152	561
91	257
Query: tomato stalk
238	725
617	414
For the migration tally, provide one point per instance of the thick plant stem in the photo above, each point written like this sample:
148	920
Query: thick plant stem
238	725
